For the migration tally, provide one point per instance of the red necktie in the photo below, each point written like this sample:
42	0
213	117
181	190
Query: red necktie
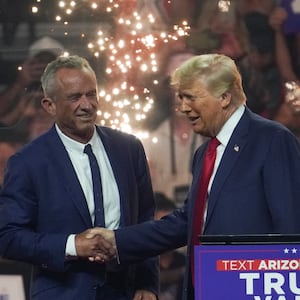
208	166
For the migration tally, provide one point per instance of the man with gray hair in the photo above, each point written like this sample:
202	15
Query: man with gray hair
75	176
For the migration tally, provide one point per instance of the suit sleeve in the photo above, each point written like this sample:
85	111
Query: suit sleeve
137	242
19	239
282	182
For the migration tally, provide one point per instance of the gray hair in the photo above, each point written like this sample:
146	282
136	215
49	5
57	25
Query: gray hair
217	72
69	62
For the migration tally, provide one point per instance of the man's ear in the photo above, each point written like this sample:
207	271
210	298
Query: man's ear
226	99
49	106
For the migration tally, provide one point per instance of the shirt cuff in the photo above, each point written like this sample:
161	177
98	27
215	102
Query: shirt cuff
70	246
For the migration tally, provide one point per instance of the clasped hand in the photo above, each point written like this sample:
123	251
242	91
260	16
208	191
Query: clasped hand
97	244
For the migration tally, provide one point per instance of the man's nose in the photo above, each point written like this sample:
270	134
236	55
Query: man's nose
184	107
85	102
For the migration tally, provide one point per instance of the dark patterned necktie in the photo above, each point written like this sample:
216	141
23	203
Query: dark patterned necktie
97	187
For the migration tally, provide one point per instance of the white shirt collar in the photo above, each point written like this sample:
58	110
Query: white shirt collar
225	133
74	146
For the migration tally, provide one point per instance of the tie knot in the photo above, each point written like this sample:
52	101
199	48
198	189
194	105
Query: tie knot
88	149
213	144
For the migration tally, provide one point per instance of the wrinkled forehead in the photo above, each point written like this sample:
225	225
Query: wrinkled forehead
75	74
195	86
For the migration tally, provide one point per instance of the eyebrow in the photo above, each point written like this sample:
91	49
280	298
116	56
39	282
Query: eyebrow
79	94
185	95
191	96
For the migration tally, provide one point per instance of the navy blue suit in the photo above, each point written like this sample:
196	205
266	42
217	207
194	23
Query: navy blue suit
256	190
42	203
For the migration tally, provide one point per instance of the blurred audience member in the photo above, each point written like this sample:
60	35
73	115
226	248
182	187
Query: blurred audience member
288	113
261	75
172	263
261	6
219	29
20	100
283	54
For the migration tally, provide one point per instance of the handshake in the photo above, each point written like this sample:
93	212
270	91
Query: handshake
96	244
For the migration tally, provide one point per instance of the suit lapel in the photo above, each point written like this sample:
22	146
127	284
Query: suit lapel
231	154
119	163
68	178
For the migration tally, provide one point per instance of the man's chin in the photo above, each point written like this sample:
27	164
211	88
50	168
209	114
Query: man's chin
197	129
200	131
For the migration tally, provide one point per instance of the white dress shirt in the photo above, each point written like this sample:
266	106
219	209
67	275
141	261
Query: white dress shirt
111	197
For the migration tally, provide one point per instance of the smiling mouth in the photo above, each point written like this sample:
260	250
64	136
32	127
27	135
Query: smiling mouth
85	116
194	120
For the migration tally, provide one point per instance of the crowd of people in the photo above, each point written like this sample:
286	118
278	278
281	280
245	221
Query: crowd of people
264	43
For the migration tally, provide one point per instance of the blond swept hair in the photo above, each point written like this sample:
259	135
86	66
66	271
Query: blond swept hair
217	72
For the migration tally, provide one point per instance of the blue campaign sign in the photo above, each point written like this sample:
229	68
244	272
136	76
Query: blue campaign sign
256	272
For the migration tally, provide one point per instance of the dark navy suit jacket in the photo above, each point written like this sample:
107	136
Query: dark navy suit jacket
256	190
42	203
